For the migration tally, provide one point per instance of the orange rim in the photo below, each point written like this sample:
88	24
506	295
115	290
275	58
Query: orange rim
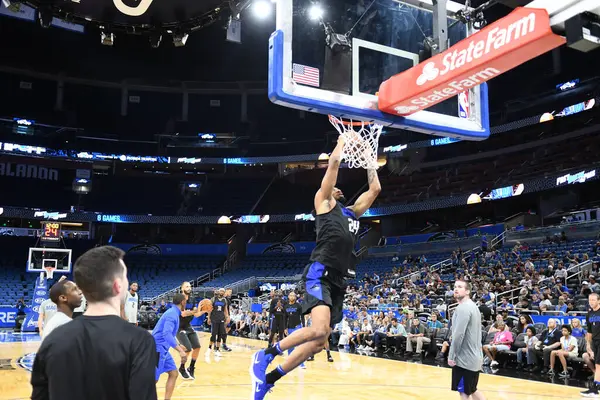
335	120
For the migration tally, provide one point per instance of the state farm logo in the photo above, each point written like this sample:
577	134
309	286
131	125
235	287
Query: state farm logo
505	44
430	72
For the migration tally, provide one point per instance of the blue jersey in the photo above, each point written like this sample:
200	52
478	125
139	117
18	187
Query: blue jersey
166	329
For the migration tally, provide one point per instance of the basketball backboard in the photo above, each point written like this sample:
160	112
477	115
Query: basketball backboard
386	38
41	258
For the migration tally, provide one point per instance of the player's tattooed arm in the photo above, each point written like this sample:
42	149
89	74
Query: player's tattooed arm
325	193
366	199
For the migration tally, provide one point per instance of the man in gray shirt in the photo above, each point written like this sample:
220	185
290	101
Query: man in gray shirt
465	356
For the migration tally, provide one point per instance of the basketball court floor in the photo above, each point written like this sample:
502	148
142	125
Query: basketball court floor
351	376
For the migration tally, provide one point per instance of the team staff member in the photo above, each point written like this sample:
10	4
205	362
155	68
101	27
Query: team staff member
293	319
592	339
277	317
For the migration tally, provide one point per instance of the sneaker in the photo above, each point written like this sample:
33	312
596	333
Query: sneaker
563	374
486	360
260	390
551	372
217	351
184	374
329	358
494	363
591	393
191	372
311	358
226	348
361	347
258	372
303	366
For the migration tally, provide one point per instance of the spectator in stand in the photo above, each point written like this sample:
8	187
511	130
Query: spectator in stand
506	306
561	305
416	334
496	325
524	322
530	341
396	336
501	343
433	323
594	286
568	345
577	330
549	341
561	272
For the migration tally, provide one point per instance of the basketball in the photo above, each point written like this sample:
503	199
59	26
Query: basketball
206	305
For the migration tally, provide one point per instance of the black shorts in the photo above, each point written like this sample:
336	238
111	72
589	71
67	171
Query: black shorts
323	287
218	328
464	380
188	339
596	350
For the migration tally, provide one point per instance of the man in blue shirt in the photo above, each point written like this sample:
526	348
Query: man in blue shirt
164	334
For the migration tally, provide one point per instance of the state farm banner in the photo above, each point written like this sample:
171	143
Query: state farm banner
39	295
519	37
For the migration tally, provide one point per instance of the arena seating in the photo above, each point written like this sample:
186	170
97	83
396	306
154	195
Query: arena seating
156	275
266	265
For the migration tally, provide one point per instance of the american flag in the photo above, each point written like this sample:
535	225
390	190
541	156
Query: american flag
305	75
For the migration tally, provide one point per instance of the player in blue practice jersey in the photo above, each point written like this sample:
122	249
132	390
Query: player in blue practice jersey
164	334
331	262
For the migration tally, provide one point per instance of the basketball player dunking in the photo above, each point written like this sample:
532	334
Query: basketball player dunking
332	260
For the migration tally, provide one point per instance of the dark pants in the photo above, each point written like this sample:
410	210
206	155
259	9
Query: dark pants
545	354
398	342
335	338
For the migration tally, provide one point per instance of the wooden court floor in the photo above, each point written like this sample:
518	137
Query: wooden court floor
351	376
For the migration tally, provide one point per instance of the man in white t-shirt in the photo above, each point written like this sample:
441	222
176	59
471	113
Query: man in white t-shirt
130	309
47	311
67	297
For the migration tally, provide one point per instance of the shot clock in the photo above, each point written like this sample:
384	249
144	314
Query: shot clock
50	232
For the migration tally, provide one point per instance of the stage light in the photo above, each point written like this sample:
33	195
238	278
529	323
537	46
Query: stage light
107	39
262	9
315	12
179	39
155	39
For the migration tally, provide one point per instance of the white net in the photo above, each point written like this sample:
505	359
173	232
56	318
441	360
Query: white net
361	142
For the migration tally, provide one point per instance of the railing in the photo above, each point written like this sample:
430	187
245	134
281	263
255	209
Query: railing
195	283
578	268
245	284
498	239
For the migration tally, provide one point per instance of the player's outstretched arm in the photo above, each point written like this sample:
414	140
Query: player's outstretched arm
325	193
366	199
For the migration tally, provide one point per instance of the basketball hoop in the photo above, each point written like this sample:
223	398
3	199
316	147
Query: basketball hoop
49	272
362	141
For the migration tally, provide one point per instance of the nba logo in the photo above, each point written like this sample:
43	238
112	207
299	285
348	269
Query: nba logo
463	104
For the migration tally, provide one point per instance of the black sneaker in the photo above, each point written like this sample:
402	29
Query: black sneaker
329	358
226	348
311	358
184	373
191	372
591	393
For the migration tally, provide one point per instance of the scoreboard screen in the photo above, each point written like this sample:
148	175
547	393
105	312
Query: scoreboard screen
50	232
